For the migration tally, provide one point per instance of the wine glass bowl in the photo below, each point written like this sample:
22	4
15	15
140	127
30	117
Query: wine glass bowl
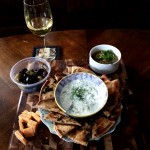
39	19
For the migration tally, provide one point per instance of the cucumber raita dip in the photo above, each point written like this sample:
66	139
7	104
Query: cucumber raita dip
83	97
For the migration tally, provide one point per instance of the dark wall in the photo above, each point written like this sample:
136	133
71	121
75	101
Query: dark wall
79	14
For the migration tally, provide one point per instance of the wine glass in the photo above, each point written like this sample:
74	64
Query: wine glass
39	20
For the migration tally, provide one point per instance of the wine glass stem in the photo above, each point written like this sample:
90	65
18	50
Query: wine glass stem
44	41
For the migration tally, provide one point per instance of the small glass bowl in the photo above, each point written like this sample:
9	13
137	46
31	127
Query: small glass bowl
34	63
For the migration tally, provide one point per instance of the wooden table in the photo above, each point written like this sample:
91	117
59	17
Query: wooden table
135	48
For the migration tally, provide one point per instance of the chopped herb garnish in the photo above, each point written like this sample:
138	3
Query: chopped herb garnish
105	56
78	92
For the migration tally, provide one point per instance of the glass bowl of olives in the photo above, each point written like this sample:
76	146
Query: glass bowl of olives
30	73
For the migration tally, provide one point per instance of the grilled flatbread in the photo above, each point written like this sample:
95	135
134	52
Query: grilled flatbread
113	87
51	81
75	69
48	95
62	129
61	119
108	108
113	95
59	77
81	134
100	126
50	105
116	112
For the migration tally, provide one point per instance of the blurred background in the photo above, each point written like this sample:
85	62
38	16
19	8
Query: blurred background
79	14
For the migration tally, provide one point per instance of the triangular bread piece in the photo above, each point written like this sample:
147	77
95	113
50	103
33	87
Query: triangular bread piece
81	134
62	130
100	126
61	119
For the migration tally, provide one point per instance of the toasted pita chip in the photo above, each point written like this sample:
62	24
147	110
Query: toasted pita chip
67	70
50	105
59	77
62	129
100	126
48	95
47	104
51	81
75	69
62	119
116	112
109	107
105	78
113	87
113	95
81	134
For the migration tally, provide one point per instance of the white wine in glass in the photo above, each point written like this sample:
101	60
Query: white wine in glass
39	20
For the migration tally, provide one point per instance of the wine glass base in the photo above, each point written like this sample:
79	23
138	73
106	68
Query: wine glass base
48	53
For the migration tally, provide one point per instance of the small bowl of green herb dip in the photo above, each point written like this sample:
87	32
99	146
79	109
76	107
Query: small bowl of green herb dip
104	59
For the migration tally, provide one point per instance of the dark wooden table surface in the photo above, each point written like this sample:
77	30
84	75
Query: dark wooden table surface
135	48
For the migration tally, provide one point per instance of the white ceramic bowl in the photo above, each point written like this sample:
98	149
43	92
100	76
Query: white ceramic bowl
34	63
104	68
81	94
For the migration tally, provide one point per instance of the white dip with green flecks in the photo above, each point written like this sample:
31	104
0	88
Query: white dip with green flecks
83	95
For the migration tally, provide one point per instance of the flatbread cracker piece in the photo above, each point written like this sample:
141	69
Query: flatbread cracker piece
62	130
47	104
59	77
108	108
75	69
50	105
61	119
81	134
113	87
48	95
113	95
100	126
116	112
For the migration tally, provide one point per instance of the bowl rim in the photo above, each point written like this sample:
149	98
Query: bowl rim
24	60
81	116
116	49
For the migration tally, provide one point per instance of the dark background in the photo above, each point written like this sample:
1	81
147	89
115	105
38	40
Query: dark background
79	14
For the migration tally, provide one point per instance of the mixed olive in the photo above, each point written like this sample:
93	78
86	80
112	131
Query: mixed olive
26	76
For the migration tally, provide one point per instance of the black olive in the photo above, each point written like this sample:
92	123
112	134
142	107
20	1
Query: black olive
40	72
31	79
22	78
30	76
23	70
